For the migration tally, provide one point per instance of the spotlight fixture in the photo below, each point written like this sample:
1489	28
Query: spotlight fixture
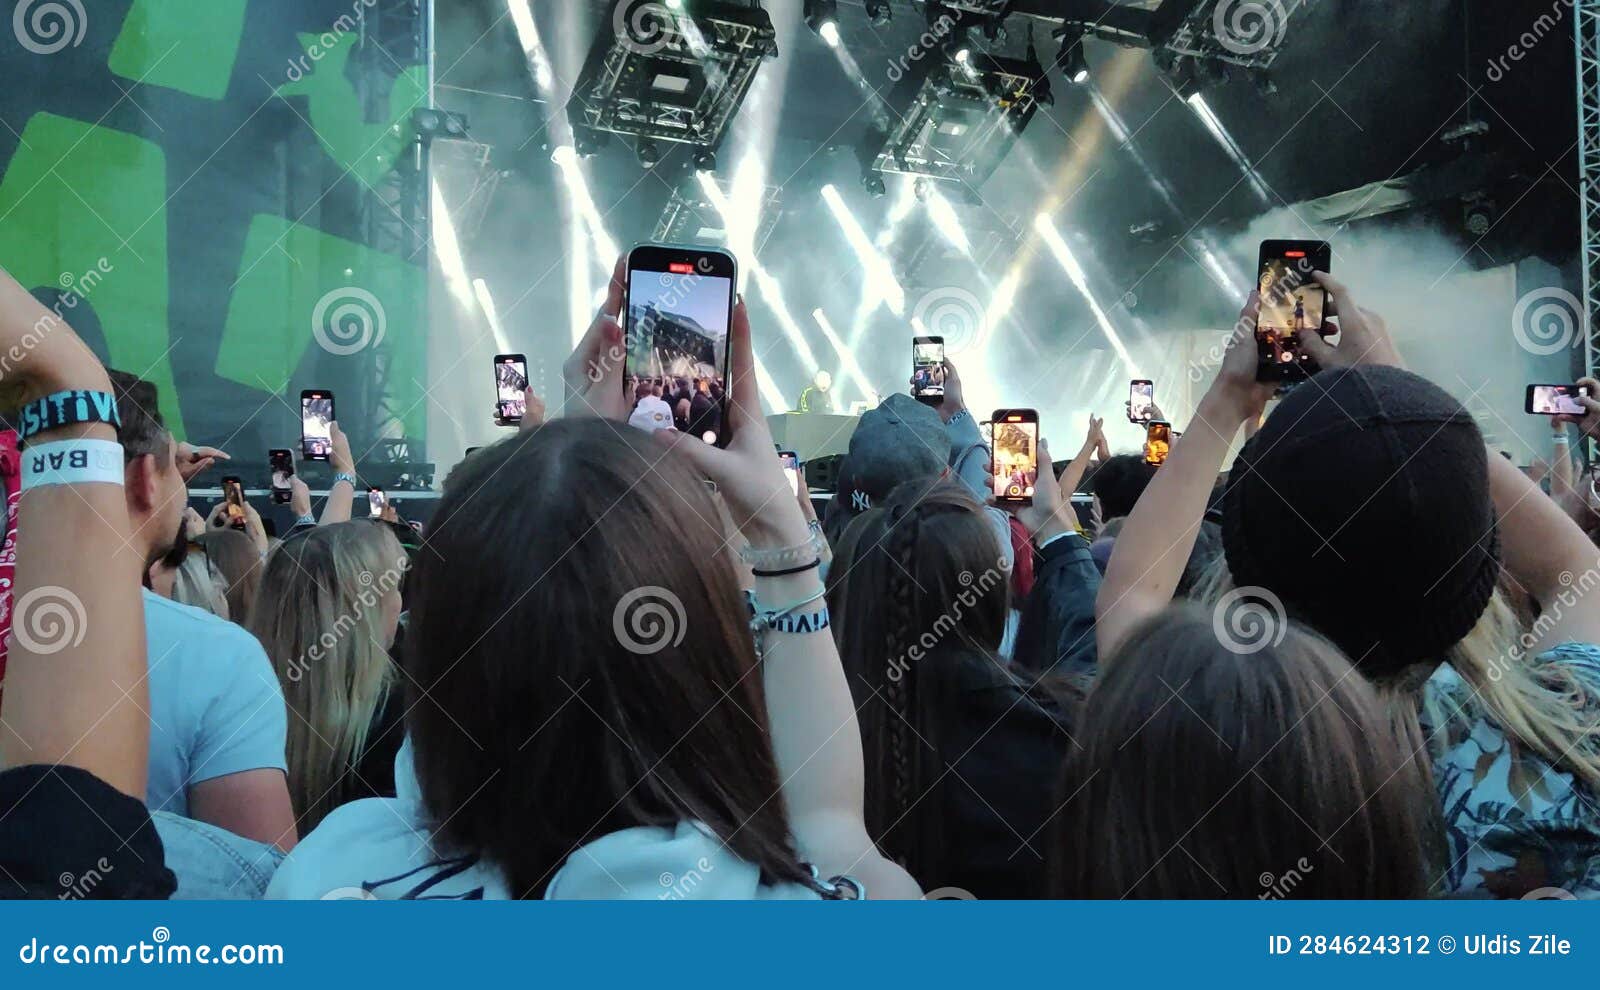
875	186
1074	63
1478	215
649	154
432	123
879	12
705	160
923	189
822	16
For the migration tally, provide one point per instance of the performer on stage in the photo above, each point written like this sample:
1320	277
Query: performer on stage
815	399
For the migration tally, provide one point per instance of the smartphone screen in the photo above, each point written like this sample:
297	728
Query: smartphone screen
281	463
791	468
1141	400
1016	455
1291	304
927	370
679	306
376	502
1556	400
1157	443
316	413
233	496
510	379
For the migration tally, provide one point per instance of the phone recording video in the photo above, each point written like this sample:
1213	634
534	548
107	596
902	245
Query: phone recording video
1557	400
1157	442
281	463
510	381
679	307
376	503
1291	304
791	468
1141	400
233	497
316	417
927	370
1016	455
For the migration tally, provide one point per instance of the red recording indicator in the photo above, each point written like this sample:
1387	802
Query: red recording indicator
1294	254
680	268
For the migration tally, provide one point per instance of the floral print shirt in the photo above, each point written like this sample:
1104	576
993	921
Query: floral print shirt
1516	826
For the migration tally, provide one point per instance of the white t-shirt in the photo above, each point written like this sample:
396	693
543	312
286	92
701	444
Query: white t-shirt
652	413
381	849
216	707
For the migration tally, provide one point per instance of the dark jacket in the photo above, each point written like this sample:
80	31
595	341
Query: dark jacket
1056	633
1004	740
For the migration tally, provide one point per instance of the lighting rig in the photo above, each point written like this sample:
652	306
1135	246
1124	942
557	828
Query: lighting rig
669	73
691	218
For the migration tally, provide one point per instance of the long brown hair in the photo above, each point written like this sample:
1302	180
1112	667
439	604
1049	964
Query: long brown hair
1210	772
236	559
921	587
582	659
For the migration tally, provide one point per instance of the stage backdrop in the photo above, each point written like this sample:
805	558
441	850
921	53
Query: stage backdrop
197	187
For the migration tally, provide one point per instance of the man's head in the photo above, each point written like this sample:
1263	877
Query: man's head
1119	482
155	490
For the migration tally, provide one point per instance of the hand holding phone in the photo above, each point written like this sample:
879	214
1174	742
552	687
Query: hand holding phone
1157	443
791	468
1015	456
676	319
1557	400
1141	400
281	462
316	419
1292	304
927	370
510	383
233	500
377	501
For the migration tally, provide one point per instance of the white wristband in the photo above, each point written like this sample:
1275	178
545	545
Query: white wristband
81	461
1561	438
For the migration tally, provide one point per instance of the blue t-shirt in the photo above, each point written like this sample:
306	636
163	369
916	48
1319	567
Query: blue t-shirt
216	707
1515	823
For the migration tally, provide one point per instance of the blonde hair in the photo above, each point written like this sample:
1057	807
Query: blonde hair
1538	706
319	615
198	583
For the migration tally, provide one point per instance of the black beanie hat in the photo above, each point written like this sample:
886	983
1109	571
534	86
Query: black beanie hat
1363	505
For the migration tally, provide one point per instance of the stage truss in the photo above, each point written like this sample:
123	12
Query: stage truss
1587	18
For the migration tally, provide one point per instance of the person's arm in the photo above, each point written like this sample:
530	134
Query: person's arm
300	502
336	508
253	803
1073	474
1057	627
79	697
1561	470
194	460
1156	540
969	456
812	719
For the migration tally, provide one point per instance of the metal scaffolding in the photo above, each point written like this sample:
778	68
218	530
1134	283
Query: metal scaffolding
1587	17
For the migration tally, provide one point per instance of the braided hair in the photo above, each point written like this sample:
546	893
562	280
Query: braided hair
909	612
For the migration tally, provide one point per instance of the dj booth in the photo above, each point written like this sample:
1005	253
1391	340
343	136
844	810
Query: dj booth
812	435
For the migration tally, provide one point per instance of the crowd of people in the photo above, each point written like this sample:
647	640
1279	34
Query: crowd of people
1354	657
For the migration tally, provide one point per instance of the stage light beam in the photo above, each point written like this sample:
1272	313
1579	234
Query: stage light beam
1069	263
880	278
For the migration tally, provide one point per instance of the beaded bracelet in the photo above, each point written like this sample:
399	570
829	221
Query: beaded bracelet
783	557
